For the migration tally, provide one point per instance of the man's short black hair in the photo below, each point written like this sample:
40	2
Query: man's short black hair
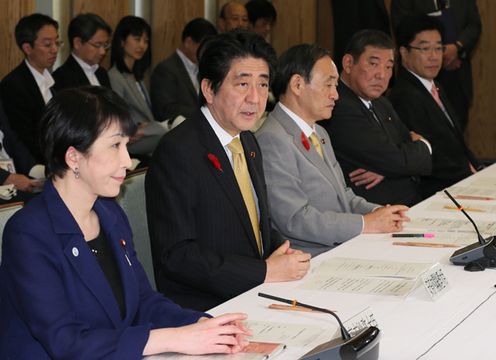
368	37
298	59
76	117
410	26
261	9
84	26
26	30
136	26
217	53
198	29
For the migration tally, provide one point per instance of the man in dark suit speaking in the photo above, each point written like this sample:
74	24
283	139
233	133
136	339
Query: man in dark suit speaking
206	195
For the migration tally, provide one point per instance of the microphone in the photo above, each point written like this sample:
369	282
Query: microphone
363	346
345	335
479	255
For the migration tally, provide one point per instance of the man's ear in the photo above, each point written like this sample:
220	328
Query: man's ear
207	91
403	52
26	48
296	84
77	42
347	62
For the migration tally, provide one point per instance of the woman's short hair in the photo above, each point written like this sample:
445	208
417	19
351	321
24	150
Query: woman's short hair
136	26
76	117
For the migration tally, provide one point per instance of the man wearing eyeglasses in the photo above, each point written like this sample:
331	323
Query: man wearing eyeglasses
381	159
423	105
89	37
27	89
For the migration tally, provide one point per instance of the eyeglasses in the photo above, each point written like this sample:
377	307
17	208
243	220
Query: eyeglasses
49	44
428	50
104	46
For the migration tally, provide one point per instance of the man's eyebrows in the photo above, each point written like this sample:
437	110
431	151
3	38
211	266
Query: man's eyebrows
241	75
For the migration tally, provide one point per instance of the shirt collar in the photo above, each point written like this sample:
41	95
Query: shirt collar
224	137
427	83
302	124
44	81
187	62
86	67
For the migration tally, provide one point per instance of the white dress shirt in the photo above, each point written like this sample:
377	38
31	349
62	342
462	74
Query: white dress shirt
191	68
89	70
43	80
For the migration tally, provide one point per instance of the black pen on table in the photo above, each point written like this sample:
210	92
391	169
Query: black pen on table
427	235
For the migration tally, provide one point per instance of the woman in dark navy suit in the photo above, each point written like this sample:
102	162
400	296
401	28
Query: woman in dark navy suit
71	286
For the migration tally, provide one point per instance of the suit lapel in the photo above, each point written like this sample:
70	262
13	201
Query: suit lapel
251	154
132	86
325	168
78	71
102	76
225	177
84	263
120	245
30	81
184	75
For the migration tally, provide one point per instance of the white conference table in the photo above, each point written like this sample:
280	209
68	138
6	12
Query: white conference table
460	324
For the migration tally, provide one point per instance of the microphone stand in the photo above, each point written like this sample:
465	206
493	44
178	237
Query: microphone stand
345	335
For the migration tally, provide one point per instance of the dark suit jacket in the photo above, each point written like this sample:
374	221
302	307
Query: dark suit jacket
360	142
171	90
56	301
420	112
23	160
24	105
203	243
457	83
71	75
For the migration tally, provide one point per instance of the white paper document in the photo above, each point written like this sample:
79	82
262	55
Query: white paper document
289	334
474	190
434	224
296	335
468	206
351	267
363	276
360	285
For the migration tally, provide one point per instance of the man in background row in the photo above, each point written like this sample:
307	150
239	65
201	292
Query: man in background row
27	88
174	86
262	15
233	15
89	37
462	28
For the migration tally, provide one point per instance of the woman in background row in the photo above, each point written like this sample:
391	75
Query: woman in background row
71	286
130	58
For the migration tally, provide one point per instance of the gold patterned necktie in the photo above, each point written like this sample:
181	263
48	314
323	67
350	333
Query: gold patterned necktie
316	144
243	178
